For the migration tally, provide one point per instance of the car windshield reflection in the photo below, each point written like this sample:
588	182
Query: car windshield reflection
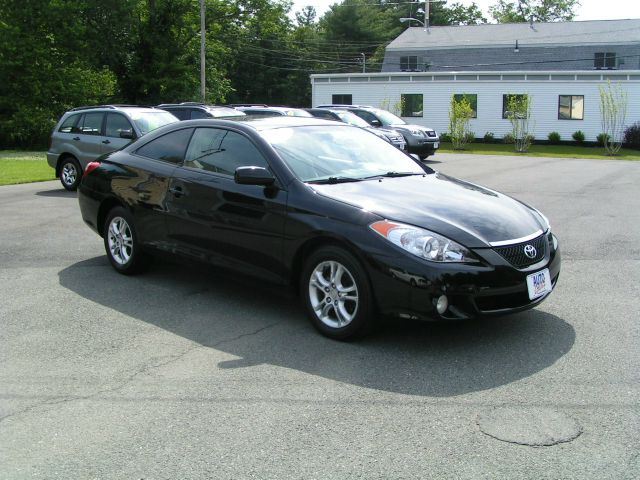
321	153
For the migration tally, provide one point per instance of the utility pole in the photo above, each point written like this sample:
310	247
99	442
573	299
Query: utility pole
364	63
426	14
202	54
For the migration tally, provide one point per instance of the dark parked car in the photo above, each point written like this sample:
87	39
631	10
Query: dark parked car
358	226
422	141
195	111
344	116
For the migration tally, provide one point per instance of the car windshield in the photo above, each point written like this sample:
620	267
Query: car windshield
147	121
332	154
388	118
352	119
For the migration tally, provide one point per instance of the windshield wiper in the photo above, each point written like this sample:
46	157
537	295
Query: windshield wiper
395	174
333	180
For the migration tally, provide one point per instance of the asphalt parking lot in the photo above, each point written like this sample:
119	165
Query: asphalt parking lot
191	373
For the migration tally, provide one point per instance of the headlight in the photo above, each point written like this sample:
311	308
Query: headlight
423	243
417	133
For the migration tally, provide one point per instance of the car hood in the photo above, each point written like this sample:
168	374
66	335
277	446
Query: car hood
408	126
467	213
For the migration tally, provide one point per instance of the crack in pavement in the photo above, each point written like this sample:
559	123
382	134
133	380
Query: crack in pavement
141	371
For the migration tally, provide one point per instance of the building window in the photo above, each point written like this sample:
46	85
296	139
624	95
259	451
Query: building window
409	64
411	104
571	107
341	99
519	99
472	98
606	60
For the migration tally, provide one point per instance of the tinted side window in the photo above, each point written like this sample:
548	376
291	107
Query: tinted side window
92	124
179	113
195	114
116	123
222	151
326	115
69	124
366	116
169	147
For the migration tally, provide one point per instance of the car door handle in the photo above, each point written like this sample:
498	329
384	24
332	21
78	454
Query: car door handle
177	191
106	142
76	138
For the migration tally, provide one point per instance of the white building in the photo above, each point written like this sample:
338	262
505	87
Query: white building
562	101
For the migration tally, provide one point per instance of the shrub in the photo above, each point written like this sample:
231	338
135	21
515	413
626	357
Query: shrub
554	138
602	138
632	135
445	137
488	137
460	114
578	137
508	138
470	137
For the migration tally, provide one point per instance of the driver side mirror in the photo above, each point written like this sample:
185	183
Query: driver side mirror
253	176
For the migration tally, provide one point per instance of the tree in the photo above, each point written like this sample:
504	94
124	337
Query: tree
517	11
613	114
519	114
460	114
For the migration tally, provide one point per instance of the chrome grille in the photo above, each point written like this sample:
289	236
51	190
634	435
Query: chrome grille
514	254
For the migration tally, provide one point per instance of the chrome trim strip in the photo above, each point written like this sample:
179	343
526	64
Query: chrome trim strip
517	240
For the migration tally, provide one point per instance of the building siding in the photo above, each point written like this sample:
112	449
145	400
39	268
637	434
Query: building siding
379	91
527	58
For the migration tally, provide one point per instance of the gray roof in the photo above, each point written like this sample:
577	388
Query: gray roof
555	33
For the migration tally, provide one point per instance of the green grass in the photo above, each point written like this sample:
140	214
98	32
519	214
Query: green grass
24	167
557	151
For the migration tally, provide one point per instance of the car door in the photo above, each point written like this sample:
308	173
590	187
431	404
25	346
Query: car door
88	137
212	218
115	125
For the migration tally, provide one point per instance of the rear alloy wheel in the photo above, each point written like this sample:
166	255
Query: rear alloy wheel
70	173
120	242
337	294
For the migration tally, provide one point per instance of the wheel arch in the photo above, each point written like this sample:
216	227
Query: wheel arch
62	158
105	207
315	243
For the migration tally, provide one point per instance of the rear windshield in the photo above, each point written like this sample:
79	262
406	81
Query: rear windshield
147	121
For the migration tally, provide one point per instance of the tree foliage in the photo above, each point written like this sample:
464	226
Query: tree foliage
58	54
519	114
460	114
518	11
613	114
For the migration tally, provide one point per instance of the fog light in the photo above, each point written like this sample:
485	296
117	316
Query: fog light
442	304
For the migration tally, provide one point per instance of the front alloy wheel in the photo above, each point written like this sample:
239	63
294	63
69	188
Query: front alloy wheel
337	293
333	294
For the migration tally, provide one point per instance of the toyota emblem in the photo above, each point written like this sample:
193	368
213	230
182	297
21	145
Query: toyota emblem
530	251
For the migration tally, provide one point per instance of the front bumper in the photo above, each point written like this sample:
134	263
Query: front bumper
423	146
410	287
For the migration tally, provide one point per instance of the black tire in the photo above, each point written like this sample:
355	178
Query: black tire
121	243
329	299
70	173
423	157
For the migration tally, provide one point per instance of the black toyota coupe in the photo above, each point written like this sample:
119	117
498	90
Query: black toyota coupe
359	227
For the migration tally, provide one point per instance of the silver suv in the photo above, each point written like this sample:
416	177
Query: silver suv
85	133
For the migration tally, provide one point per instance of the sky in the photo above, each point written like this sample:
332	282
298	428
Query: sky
589	9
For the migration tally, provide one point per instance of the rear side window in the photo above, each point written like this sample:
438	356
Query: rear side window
168	148
195	114
366	116
68	126
117	123
179	113
222	151
91	124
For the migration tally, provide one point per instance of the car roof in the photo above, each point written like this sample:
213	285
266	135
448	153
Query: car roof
115	107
